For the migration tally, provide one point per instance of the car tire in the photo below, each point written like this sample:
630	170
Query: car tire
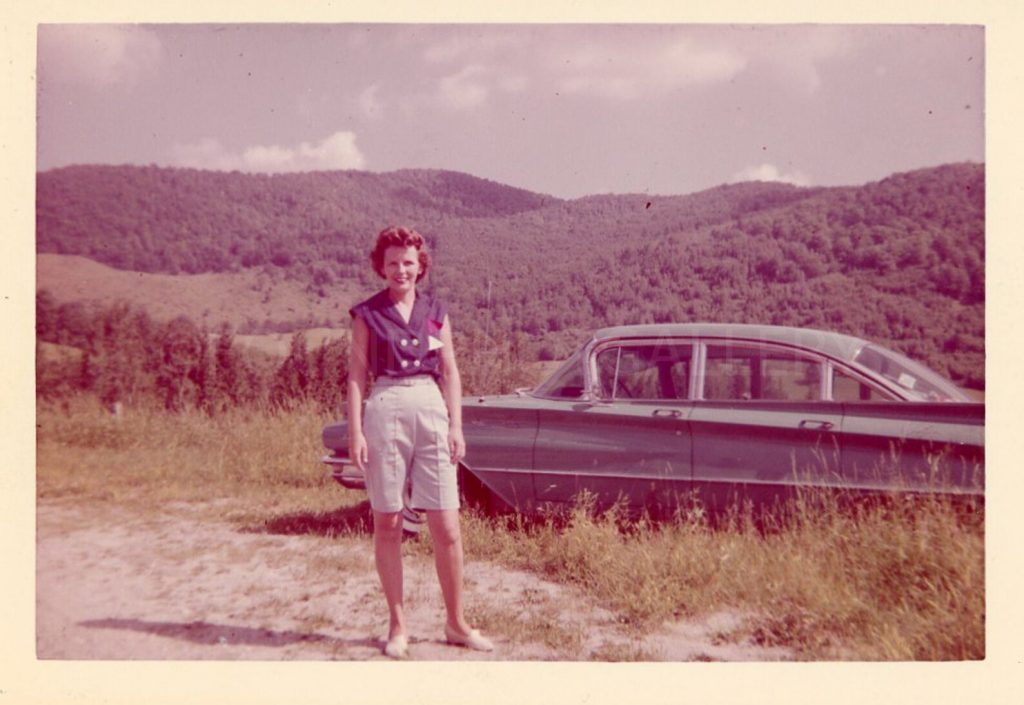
413	520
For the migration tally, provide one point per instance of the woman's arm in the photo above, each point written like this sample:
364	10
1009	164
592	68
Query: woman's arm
451	388
357	365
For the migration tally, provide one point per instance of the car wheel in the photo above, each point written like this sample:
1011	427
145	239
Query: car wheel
412	519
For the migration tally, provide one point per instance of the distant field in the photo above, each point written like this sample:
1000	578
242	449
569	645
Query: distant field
278	343
207	299
51	352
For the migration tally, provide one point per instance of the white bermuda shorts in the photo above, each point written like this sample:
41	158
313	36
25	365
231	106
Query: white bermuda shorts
405	422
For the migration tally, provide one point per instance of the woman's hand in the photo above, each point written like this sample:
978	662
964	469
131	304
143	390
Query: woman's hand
358	451
456	443
451	389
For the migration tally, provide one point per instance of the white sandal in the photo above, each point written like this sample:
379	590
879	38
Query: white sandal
397	646
472	640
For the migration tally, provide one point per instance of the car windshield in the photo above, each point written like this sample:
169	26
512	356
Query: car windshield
566	382
917	380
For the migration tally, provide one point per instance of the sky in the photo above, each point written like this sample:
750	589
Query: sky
562	109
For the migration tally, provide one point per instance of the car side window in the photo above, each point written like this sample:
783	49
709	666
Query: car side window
569	384
645	371
847	388
742	372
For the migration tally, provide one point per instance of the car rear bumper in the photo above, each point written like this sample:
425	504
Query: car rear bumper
342	471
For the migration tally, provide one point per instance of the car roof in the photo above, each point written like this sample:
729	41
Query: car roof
837	345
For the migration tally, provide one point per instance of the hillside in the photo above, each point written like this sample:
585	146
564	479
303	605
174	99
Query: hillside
900	261
250	300
182	220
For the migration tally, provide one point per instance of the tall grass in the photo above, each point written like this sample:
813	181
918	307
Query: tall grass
878	582
147	455
885	581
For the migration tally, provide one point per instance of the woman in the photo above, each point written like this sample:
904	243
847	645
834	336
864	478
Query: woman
411	429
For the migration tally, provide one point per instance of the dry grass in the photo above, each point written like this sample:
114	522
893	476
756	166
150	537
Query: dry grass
261	462
875	582
538	625
625	652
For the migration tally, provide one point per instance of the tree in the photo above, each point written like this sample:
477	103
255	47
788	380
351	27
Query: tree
330	370
122	353
227	372
182	348
292	380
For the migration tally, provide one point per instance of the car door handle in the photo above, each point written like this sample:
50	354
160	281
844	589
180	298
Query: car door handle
671	413
816	424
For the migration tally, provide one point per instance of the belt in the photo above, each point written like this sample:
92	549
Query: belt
409	381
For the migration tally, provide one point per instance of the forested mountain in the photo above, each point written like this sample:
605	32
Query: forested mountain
900	261
181	220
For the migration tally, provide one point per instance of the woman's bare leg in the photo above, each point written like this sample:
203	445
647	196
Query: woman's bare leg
387	549
447	539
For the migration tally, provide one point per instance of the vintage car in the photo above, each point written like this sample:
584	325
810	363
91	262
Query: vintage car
710	414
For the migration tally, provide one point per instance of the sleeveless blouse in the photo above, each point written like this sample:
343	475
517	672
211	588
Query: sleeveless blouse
397	348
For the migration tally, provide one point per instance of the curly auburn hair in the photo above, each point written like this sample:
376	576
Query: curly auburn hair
398	236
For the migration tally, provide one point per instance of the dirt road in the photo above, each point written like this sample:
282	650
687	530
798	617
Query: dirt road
118	584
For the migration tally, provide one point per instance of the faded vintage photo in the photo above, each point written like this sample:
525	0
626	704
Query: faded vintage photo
510	342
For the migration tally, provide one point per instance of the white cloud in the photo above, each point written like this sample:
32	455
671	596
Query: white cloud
644	69
465	89
687	63
604	62
339	151
97	55
770	172
616	64
476	83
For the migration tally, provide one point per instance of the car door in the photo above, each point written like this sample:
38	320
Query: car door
762	425
887	444
914	446
629	439
500	433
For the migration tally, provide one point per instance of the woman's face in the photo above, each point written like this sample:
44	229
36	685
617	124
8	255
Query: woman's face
401	267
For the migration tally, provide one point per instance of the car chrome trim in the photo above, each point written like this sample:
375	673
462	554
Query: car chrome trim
816	424
697	374
609	476
837	345
784	479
